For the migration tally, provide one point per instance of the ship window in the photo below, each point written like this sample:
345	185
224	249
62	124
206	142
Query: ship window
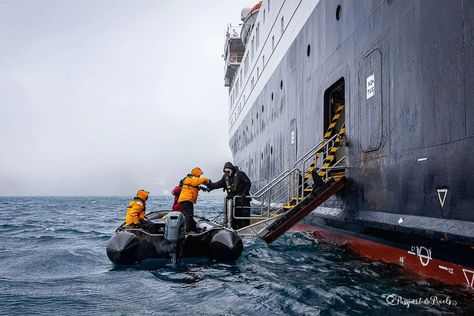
253	48
308	50
282	24
257	35
257	115
272	96
273	42
262	155
262	108
258	72
252	120
263	61
281	84
338	12
263	15
246	64
268	5
271	150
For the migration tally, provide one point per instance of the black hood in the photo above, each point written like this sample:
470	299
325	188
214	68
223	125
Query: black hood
229	165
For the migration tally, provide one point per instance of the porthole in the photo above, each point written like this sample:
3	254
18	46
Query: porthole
308	50
338	12
281	84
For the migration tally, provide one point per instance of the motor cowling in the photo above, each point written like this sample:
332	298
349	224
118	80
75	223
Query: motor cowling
174	226
174	234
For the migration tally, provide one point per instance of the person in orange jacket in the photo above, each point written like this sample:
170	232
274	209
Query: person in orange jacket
136	209
189	195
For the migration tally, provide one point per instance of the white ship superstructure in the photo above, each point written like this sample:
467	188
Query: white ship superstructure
276	26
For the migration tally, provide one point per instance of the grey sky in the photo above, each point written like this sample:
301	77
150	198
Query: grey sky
106	97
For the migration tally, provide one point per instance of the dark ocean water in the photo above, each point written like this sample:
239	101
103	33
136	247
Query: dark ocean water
53	261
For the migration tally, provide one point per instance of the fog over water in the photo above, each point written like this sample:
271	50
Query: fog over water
105	97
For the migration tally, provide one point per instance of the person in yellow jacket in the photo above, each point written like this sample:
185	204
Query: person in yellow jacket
136	209
189	195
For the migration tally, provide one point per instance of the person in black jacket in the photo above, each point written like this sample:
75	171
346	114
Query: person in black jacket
236	183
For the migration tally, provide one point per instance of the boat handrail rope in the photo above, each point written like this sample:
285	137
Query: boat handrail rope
142	231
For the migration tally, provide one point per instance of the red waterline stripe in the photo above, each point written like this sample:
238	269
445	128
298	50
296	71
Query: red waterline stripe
418	259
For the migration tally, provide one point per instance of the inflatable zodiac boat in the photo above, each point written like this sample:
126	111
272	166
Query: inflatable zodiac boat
165	237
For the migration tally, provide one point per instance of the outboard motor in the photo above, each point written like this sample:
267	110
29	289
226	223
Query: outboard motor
174	233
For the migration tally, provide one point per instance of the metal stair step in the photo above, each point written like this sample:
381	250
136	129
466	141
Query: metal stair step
293	216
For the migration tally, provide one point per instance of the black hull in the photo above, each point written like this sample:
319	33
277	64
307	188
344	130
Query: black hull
409	145
410	142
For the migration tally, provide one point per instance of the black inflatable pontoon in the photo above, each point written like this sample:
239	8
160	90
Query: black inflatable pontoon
164	237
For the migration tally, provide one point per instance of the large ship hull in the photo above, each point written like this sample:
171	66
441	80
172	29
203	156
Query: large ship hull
405	72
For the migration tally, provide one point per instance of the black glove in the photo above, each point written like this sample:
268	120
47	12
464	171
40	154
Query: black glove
203	188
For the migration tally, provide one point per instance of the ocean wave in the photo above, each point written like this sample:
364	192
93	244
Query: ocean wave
54	262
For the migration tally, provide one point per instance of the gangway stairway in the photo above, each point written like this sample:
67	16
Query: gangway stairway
300	190
292	216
